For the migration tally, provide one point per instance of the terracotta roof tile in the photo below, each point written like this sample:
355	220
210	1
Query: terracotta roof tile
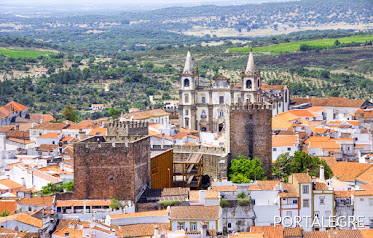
73	233
366	176
51	126
321	186
269	231
279	141
342	194
47	147
97	132
21	141
7	233
301	177
367	233
141	230
24	218
348	171
37	118
10	184
8	205
195	212
330	102
142	115
224	188
140	214
174	191
293	232
50	135
332	234
46	201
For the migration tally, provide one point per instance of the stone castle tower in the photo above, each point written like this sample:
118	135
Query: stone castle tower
240	111
115	166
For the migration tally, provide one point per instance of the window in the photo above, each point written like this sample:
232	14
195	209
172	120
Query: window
322	200
239	100
258	83
295	201
288	213
180	225
186	122
317	214
229	225
203	114
306	203
289	149
221	113
371	223
203	100
221	99
248	84
186	112
186	98
186	83
204	129
305	189
193	226
361	199
16	228
371	202
274	149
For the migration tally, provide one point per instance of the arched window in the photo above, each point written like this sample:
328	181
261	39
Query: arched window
203	114
221	113
16	228
203	129
186	83
248	84
186	98
258	83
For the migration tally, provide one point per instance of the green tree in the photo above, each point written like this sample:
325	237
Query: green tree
69	113
114	113
243	170
149	91
69	187
116	205
5	213
51	188
337	43
300	162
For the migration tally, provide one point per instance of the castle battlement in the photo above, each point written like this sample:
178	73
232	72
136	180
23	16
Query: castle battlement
250	106
117	130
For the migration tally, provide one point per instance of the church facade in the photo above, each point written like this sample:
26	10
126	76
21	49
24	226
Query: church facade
206	108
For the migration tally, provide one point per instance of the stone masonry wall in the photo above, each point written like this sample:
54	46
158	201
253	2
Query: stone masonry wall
251	133
111	170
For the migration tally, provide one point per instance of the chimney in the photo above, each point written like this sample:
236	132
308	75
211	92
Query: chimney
3	140
322	173
156	231
202	195
282	185
41	121
67	234
32	125
81	135
330	185
23	181
203	230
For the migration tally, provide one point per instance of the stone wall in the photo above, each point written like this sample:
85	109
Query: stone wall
250	133
105	170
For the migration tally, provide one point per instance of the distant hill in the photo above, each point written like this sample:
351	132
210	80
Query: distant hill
190	25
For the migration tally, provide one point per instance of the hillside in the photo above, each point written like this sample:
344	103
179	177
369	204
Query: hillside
189	25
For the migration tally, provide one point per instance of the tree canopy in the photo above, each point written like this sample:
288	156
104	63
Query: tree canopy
243	170
300	162
69	113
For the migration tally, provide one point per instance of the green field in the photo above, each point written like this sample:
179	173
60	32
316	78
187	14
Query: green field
23	53
294	46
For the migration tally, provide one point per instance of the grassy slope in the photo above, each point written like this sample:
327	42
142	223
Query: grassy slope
23	53
294	46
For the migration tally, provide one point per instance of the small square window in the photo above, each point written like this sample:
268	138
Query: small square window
274	149
305	189
322	200
289	149
306	203
229	225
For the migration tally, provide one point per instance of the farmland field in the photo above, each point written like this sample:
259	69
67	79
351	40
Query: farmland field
23	53
294	46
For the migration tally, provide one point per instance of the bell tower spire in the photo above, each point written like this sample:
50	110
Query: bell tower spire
250	68
188	68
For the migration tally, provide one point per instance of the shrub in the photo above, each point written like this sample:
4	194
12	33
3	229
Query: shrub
241	195
223	203
244	202
169	203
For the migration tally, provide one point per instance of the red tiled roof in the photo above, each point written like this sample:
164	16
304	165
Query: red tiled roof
195	212
329	102
47	147
8	205
269	231
49	135
24	218
37	118
38	201
142	115
51	126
